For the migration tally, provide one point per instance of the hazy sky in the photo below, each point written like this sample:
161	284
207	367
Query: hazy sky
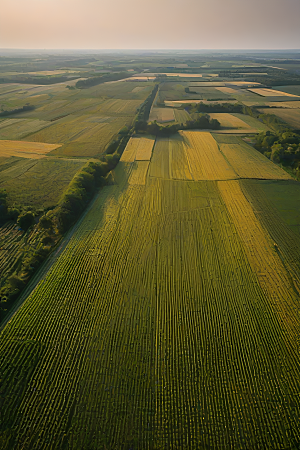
151	24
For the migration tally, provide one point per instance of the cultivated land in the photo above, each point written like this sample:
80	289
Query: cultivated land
169	318
160	258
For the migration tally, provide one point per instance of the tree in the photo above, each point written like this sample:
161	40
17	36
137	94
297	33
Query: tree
25	220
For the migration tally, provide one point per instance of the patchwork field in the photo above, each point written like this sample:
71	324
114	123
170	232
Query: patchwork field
85	136
138	149
179	321
168	317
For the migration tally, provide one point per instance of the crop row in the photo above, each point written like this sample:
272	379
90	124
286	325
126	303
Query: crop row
150	331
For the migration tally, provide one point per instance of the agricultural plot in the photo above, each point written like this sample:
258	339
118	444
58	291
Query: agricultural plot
37	183
139	173
84	136
206	162
159	166
161	115
121	89
32	150
229	120
181	116
179	164
144	150
249	163
276	198
295	90
209	93
138	149
226	90
171	334
19	128
115	107
271	93
130	150
288	115
270	269
253	123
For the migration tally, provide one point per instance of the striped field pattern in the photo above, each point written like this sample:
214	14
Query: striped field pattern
169	321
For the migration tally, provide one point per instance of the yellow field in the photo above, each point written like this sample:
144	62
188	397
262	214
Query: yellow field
249	163
139	173
161	115
159	166
226	90
144	150
229	121
138	149
271	93
179	166
32	150
206	162
261	252
130	150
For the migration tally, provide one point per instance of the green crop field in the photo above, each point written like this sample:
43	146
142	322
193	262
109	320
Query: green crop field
37	183
157	351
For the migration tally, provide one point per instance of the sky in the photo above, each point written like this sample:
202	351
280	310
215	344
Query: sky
150	24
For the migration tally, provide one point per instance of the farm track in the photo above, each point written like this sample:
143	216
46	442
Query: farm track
152	330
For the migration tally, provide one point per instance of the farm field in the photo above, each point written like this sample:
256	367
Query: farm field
37	183
271	93
32	150
181	116
252	122
248	162
138	149
167	316
19	128
229	120
290	116
161	115
151	326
